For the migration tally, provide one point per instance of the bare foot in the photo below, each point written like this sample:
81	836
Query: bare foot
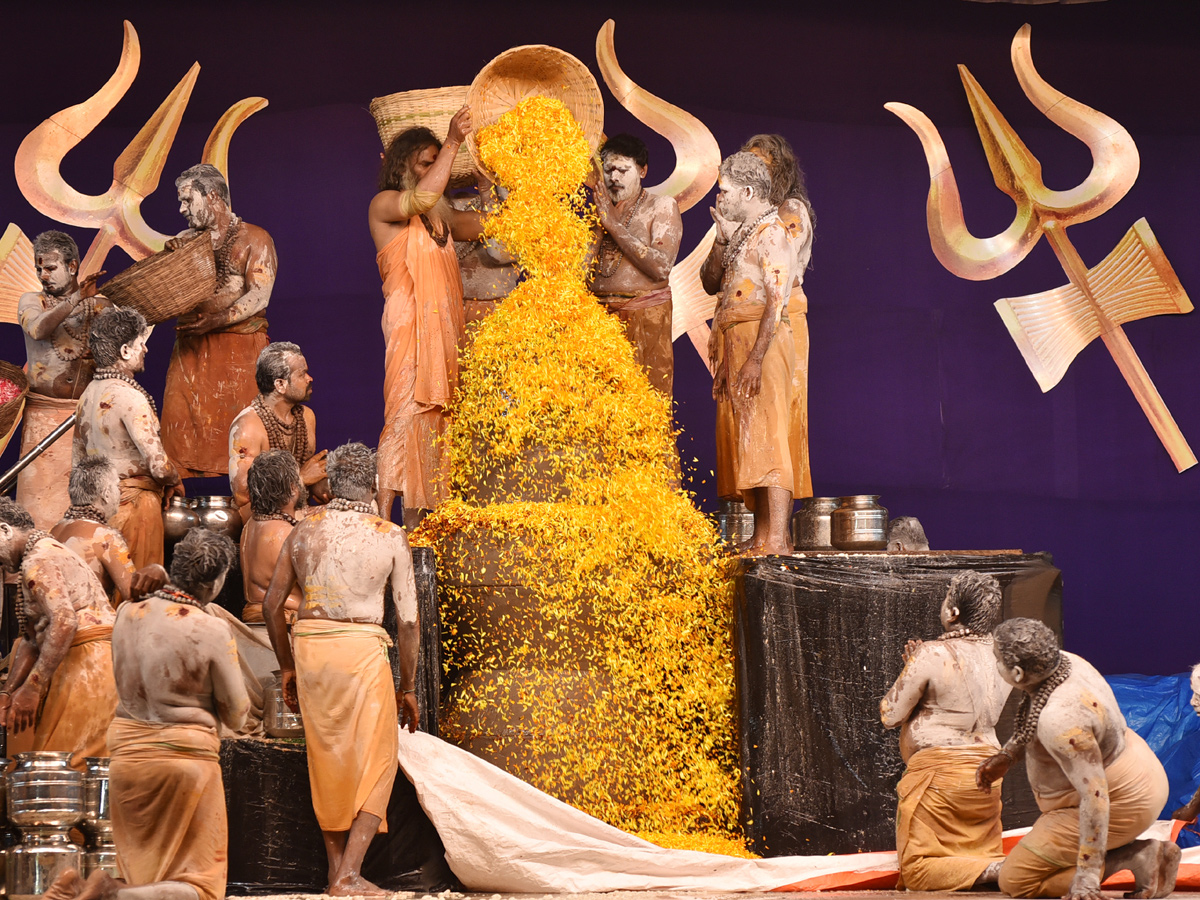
1154	868
65	887
775	548
356	886
100	885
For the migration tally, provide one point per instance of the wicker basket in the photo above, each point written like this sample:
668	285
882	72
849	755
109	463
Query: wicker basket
169	283
530	71
10	412
17	272
433	108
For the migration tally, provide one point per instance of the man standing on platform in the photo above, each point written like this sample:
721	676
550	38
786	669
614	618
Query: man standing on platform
84	529
59	366
277	420
60	694
178	677
947	701
211	375
343	557
274	487
755	352
118	419
1096	782
639	241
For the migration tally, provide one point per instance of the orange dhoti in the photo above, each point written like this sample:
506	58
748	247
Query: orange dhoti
209	381
42	485
139	519
423	326
80	703
168	805
348	701
1043	863
647	321
947	830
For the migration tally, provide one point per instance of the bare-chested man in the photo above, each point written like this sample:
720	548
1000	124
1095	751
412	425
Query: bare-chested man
278	420
489	273
1096	782
639	241
947	701
211	375
343	557
59	365
755	351
178	677
84	529
274	486
60	694
118	419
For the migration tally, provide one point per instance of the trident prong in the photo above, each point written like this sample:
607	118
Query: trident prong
1051	328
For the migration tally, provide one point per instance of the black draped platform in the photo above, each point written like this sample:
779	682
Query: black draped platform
818	641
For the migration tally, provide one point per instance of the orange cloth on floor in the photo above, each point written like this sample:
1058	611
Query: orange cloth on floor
647	321
423	324
139	519
1043	862
168	805
42	485
348	701
80	703
210	379
947	830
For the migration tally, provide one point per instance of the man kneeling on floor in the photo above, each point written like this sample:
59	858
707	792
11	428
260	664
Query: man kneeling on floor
177	674
1096	782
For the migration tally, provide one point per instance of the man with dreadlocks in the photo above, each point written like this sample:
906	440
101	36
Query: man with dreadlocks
1096	782
60	694
414	229
947	701
277	420
95	498
274	486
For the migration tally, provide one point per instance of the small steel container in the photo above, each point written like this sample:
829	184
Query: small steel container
735	522
95	794
43	854
278	720
43	790
178	520
860	523
218	514
812	525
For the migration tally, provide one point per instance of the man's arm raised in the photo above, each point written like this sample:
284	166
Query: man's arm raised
653	259
404	596
282	582
394	207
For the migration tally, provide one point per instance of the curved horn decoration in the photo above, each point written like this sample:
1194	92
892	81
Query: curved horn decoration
697	154
1115	159
976	259
216	148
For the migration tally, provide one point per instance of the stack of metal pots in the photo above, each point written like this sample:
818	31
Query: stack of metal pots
45	800
97	822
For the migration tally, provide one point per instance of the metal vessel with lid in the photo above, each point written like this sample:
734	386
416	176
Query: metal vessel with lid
860	523
43	790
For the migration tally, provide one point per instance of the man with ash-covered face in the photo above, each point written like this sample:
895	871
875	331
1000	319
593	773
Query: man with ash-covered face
947	701
639	240
211	375
178	676
1096	782
755	354
342	557
278	420
118	420
56	321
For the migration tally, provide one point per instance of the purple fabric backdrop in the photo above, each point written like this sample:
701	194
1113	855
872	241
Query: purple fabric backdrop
917	391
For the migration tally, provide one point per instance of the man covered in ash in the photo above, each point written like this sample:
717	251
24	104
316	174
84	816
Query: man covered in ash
60	694
274	486
343	557
947	701
178	677
211	375
639	240
118	420
1096	782
56	321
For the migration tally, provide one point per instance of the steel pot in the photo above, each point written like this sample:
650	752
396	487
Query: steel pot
178	520
43	854
735	522
278	720
5	765
43	790
218	514
860	523
95	793
104	858
812	525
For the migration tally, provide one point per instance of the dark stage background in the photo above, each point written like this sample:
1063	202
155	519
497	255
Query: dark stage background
917	391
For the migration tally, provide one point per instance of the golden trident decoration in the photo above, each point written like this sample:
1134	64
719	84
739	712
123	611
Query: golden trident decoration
116	214
1133	282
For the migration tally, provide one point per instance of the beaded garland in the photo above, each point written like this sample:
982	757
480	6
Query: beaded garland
108	374
175	595
341	504
743	235
610	253
87	513
223	252
1033	703
32	539
275	516
292	438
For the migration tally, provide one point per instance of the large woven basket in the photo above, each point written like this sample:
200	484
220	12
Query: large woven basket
10	412
17	272
169	283
530	71
433	108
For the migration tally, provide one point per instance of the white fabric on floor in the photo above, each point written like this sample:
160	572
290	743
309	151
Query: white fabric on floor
504	835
